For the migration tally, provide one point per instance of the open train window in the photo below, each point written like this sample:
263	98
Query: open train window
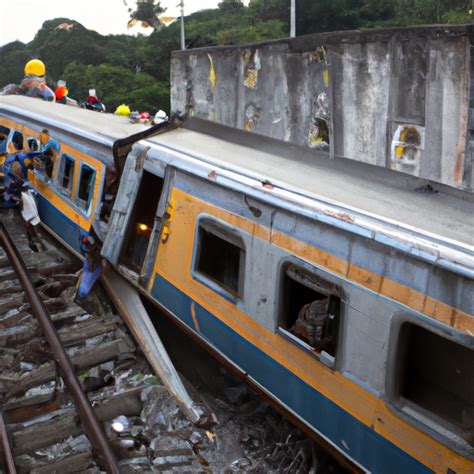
309	310
66	174
220	258
17	140
4	132
33	144
86	187
435	378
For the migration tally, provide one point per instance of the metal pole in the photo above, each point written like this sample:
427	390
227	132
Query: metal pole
9	463
89	419
183	42
293	19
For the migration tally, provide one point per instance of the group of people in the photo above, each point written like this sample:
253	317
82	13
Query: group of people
34	85
16	191
16	165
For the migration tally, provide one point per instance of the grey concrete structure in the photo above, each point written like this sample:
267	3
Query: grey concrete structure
394	98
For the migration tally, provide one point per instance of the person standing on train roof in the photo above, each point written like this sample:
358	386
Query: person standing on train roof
49	151
92	102
33	83
61	92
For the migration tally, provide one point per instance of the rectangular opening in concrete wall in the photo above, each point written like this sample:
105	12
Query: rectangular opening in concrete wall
220	257
436	377
309	310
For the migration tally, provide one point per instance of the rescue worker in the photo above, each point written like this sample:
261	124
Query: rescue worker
30	215
92	102
33	84
61	92
24	159
122	110
13	181
91	268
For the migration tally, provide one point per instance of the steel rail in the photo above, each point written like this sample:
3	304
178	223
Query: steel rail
89	419
8	462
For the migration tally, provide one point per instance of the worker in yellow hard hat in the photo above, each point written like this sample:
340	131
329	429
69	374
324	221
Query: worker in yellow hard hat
123	110
34	82
35	67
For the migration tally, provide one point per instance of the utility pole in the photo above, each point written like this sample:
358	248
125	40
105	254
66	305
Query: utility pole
293	19
183	42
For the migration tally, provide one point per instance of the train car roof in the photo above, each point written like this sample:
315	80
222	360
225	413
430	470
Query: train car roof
391	196
103	128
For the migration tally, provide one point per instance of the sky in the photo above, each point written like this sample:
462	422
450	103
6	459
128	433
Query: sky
21	19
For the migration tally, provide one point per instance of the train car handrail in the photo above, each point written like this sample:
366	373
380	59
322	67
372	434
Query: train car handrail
88	417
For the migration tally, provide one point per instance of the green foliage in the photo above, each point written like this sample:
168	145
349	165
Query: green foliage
333	15
231	6
253	33
116	85
13	58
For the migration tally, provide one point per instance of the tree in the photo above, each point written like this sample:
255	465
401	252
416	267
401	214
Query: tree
116	85
231	6
147	12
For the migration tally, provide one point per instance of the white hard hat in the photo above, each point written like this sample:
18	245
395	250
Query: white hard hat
160	117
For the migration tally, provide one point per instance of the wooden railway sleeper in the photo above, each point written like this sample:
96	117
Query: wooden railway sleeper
88	417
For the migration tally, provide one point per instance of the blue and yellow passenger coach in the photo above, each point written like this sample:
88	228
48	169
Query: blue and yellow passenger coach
358	324
77	196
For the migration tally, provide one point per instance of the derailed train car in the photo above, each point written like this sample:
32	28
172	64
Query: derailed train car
360	326
341	290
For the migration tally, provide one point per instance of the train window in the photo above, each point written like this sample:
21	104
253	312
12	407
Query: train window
4	132
309	310
86	186
17	140
33	144
220	256
66	174
436	374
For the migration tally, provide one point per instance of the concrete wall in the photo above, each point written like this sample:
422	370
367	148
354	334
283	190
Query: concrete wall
395	98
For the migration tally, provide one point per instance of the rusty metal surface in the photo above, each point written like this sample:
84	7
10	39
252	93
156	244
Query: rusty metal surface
6	448
89	419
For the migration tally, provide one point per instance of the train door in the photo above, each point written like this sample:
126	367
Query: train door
143	226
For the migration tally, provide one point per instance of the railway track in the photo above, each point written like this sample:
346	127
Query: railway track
131	423
45	431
